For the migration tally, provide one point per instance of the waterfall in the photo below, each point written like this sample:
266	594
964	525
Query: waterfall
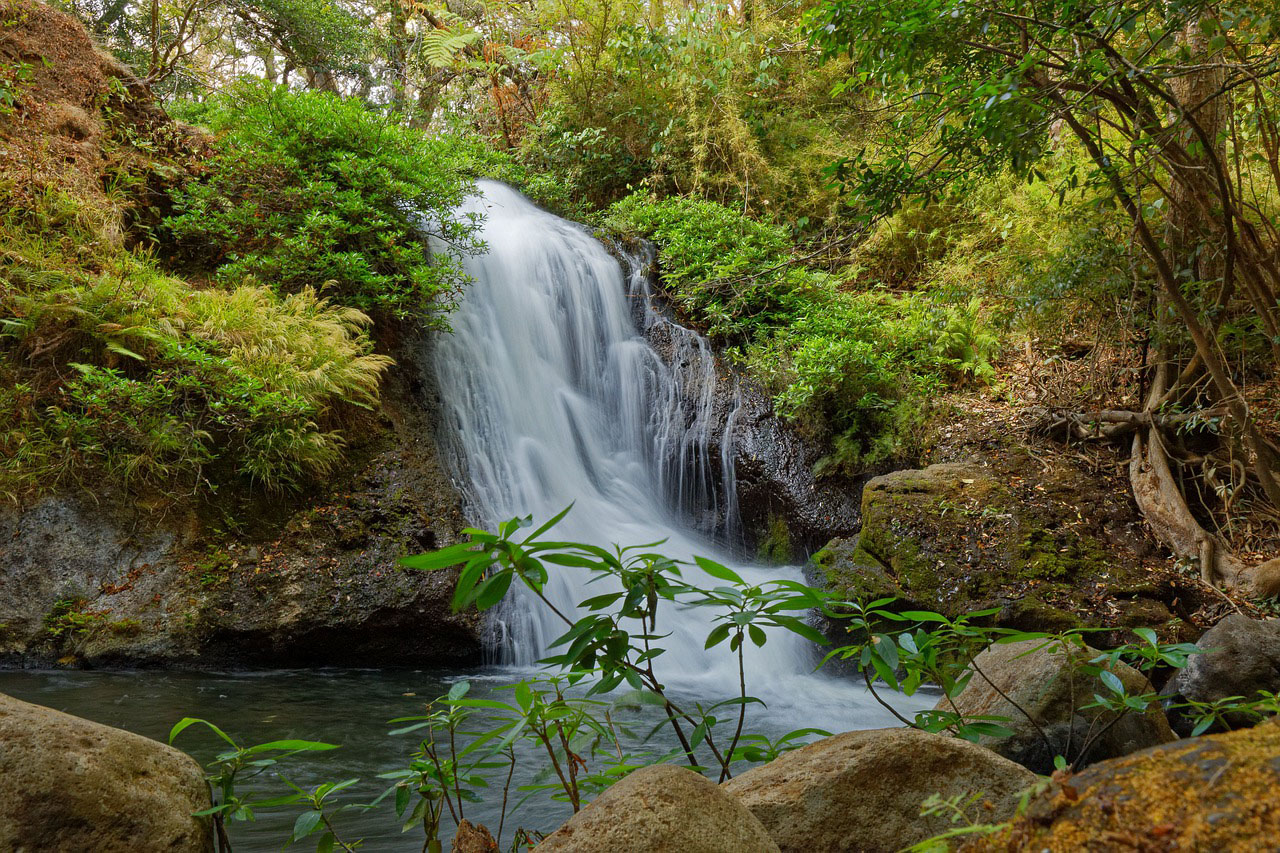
551	395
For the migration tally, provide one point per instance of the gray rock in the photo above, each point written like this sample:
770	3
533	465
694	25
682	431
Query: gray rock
1241	656
781	507
69	784
1043	684
863	791
662	809
1005	533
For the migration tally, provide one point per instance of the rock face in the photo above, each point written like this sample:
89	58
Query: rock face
781	509
787	509
1219	793
662	809
963	536
69	784
257	580
862	791
1045	683
1241	656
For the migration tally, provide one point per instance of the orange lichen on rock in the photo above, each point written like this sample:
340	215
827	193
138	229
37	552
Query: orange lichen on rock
1219	793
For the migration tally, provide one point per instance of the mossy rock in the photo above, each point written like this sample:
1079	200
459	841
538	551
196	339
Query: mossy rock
1219	792
960	537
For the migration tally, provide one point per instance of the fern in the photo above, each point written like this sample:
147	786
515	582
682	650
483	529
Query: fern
441	48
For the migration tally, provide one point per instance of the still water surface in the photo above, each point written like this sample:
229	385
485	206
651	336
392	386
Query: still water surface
347	707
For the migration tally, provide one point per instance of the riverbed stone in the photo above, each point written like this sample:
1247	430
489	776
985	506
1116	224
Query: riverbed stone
1241	656
1213	793
70	784
863	791
1038	687
662	809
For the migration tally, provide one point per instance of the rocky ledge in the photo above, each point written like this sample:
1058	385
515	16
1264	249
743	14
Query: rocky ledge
1048	545
249	580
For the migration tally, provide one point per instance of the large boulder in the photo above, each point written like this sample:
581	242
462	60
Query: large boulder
1007	533
863	790
1041	690
69	784
662	809
1219	793
1240	657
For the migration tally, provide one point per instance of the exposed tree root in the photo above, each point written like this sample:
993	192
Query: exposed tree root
1158	494
1165	509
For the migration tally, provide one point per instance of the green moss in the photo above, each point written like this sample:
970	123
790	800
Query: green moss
214	568
70	619
1044	556
1032	613
776	547
125	627
852	573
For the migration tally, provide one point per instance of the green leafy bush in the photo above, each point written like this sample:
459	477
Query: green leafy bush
137	375
727	272
311	190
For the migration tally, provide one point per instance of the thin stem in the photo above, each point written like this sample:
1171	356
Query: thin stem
453	750
887	706
444	786
1005	696
336	840
742	710
506	790
555	764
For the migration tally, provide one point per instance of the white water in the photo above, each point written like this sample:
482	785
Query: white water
551	396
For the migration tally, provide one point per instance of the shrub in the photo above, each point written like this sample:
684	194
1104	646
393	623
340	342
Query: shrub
135	374
308	189
728	273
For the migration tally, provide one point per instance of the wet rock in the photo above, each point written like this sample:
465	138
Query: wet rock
69	784
1041	692
780	501
664	809
1220	793
961	536
1241	656
782	510
863	791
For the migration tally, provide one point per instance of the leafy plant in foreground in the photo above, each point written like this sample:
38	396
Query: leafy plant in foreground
468	745
233	767
614	637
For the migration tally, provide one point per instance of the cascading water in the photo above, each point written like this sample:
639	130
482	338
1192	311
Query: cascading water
551	396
